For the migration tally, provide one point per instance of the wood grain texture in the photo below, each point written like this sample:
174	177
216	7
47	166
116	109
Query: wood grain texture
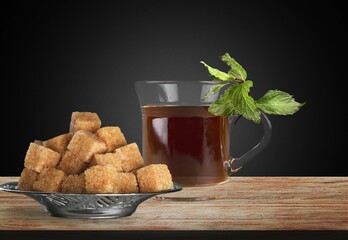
244	203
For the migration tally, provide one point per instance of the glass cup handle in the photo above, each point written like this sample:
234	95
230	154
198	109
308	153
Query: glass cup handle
234	164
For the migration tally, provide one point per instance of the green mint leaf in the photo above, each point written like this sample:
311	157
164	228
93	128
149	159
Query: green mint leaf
217	74
236	100
247	106
237	71
278	102
224	106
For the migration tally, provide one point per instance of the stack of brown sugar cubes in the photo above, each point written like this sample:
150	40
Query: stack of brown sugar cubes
90	159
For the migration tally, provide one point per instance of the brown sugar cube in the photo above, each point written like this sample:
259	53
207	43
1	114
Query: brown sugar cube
85	144
101	179
74	184
71	164
27	179
49	181
130	157
58	143
39	158
112	137
88	121
126	183
39	142
154	178
107	158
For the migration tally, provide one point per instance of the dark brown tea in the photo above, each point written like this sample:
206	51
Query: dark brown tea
191	141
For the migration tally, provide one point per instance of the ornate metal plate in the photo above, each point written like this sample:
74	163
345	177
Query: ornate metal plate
72	205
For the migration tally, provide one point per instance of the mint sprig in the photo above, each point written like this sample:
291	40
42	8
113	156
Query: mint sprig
236	99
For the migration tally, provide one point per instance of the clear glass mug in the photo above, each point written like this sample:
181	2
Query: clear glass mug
178	130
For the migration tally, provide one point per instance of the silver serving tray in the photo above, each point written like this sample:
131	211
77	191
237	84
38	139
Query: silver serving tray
71	205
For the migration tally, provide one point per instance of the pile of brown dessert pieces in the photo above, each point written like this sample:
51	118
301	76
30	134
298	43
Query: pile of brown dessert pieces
90	159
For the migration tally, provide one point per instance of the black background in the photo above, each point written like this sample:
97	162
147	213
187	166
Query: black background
60	57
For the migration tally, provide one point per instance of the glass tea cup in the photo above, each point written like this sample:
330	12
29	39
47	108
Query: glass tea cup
178	130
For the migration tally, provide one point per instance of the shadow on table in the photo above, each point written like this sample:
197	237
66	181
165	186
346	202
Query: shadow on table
182	235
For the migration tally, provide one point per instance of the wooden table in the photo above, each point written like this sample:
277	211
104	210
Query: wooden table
244	203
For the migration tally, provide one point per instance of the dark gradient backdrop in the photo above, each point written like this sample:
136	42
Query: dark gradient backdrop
60	57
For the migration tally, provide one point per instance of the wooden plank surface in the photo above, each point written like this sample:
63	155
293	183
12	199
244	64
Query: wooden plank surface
244	203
